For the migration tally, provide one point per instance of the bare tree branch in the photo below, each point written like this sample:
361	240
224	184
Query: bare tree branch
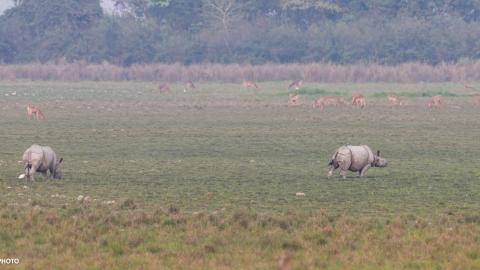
222	12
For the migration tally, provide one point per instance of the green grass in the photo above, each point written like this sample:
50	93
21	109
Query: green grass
237	157
423	91
308	91
419	94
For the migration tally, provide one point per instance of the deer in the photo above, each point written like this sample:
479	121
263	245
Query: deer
164	87
189	85
249	84
359	100
394	100
297	84
322	102
293	99
34	111
435	102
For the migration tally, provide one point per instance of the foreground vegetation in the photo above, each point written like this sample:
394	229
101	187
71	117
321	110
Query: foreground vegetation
207	178
95	236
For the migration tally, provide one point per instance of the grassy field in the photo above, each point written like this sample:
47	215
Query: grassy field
207	178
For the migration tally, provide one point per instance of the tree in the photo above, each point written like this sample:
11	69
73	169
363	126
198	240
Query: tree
179	15
135	8
163	3
221	16
47	29
7	52
138	8
241	31
306	12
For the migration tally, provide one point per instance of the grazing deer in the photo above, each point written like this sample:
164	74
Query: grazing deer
470	87
435	101
164	87
359	100
293	99
394	100
249	84
322	102
33	110
297	84
189	85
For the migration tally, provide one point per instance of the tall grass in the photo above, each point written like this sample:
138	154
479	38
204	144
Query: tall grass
95	236
466	70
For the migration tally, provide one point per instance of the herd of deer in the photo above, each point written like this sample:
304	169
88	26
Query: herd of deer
320	102
361	101
165	87
358	100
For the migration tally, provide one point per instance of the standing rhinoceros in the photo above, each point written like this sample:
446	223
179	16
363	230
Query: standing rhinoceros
356	159
41	159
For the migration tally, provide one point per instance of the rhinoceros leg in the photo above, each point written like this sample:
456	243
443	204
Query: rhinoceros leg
364	170
343	173
30	175
330	172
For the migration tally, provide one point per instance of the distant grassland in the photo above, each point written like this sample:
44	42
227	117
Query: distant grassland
420	94
206	178
308	91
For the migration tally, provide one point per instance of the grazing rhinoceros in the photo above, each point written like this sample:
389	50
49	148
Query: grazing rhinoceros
356	159
41	159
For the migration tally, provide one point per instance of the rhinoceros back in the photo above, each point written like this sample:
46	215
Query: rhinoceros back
361	156
41	157
33	154
342	158
50	157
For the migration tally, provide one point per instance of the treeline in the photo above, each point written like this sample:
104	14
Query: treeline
463	71
241	31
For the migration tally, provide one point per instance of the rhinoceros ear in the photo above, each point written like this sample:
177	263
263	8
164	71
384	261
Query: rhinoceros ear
60	161
378	152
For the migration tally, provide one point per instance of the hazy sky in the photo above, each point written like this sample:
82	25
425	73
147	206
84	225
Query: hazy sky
4	4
